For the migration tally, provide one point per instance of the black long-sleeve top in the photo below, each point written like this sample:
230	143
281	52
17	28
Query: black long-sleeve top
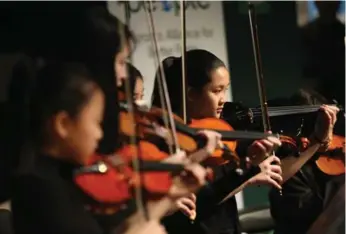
213	218
45	200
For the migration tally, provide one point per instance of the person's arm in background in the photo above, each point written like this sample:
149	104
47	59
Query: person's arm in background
319	140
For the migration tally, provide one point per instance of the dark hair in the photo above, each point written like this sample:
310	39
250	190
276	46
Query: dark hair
93	37
308	97
329	7
134	74
37	93
73	30
59	87
199	66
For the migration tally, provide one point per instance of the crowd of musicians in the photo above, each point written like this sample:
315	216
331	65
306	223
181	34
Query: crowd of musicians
81	153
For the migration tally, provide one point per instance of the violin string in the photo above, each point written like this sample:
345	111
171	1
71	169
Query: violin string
290	107
293	111
162	77
272	112
128	93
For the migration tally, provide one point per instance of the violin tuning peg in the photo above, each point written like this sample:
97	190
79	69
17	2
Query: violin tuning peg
102	167
239	171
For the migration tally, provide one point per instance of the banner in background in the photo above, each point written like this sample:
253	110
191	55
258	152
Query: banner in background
205	29
204	24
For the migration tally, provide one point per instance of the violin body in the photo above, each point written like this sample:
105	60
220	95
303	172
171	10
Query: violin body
220	156
104	185
332	162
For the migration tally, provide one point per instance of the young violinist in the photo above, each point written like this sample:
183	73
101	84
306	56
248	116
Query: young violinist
208	80
63	129
137	82
64	108
308	191
124	70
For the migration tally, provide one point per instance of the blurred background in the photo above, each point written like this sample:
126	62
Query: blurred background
295	51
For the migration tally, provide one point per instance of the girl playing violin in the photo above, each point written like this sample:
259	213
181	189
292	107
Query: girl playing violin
64	117
309	189
122	73
208	80
137	83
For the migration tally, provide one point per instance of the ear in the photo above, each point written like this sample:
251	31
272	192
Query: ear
61	124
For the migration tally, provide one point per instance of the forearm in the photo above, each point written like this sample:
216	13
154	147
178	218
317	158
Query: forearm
291	165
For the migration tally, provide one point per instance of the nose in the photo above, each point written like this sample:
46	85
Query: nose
222	100
99	134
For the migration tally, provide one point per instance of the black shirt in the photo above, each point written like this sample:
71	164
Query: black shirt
45	200
213	218
303	200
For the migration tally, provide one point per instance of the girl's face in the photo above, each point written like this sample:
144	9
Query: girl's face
120	65
79	136
209	101
138	91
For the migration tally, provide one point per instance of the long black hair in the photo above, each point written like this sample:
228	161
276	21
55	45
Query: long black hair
90	36
199	66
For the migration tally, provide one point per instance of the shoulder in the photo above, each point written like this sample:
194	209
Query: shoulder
46	205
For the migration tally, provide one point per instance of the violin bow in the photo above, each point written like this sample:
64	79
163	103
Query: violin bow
259	69
161	79
129	99
183	57
183	68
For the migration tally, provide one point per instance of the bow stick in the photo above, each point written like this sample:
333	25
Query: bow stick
183	57
129	99
161	79
183	69
259	69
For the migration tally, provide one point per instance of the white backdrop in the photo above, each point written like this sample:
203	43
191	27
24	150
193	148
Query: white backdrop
205	30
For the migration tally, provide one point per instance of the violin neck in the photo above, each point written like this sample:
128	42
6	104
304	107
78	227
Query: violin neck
242	135
287	110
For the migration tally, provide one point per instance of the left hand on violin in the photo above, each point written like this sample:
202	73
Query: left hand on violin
324	126
261	149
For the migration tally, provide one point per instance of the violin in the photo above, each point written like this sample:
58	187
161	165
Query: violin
109	180
188	137
218	157
236	111
332	162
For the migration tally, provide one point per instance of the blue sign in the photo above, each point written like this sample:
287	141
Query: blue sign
313	11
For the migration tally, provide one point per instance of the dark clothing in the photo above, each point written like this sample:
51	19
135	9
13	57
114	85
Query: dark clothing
211	217
45	200
324	45
6	222
304	198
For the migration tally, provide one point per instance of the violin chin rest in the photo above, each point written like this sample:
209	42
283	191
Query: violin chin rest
256	220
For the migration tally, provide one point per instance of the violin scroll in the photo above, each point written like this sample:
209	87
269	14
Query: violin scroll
237	115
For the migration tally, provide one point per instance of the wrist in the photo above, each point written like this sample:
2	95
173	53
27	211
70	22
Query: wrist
249	182
315	140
